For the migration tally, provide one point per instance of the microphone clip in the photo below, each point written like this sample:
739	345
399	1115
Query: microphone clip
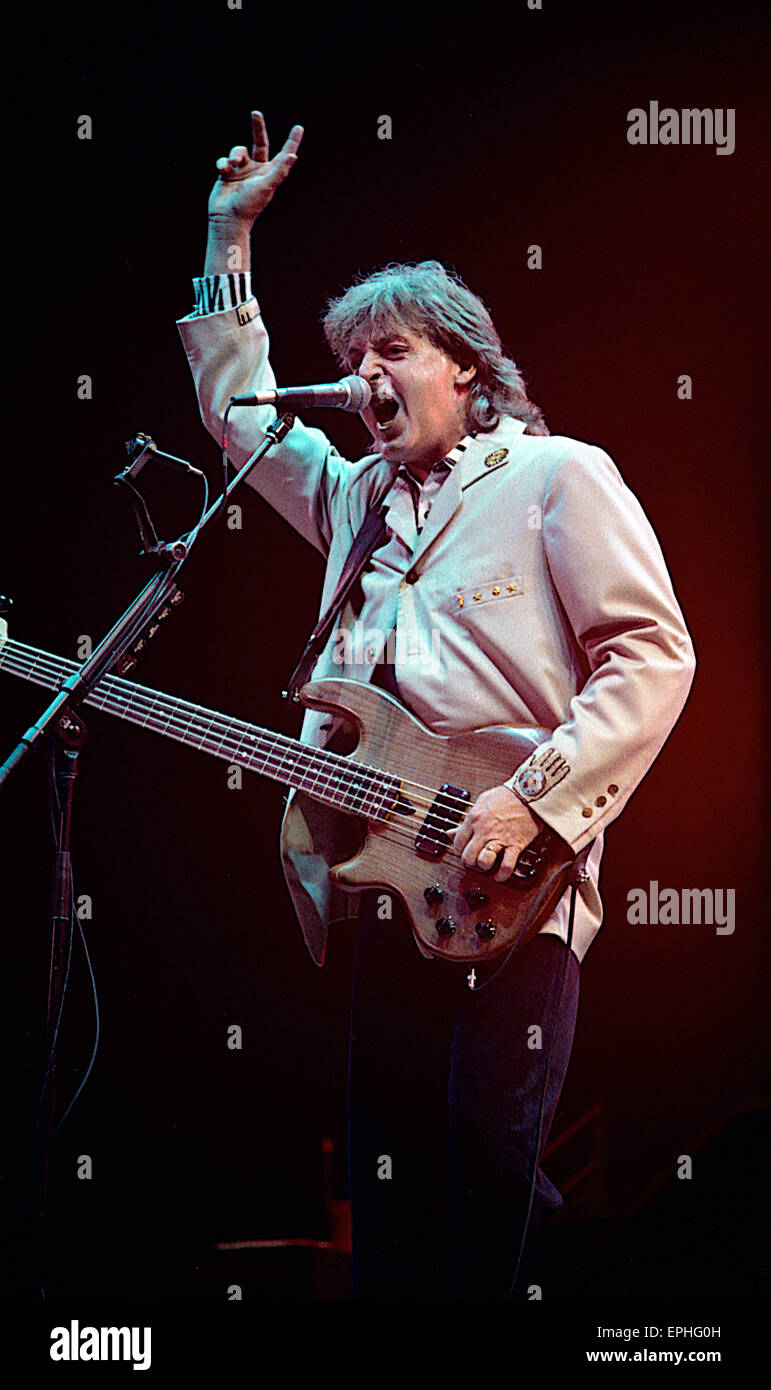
143	447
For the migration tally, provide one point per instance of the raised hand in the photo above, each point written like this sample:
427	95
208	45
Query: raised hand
246	183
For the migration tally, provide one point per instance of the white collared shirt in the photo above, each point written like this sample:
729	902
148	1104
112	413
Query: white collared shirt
423	493
409	504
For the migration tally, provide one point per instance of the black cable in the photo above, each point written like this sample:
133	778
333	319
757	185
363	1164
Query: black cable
38	1158
192	535
97	1033
55	810
515	946
38	1152
225	461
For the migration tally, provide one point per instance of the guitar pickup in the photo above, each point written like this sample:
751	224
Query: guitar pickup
445	815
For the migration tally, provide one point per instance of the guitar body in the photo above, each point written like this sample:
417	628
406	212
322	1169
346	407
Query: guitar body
457	913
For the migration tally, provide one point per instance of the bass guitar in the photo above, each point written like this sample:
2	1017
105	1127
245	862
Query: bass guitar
408	787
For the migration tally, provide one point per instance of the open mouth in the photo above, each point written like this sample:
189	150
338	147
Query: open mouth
384	409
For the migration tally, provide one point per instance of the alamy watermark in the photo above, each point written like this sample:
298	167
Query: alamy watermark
413	650
690	126
76	1343
654	905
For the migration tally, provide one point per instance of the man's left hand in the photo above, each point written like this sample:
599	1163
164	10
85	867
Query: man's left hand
497	821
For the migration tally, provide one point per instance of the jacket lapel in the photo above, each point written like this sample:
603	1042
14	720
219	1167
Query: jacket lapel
445	505
483	455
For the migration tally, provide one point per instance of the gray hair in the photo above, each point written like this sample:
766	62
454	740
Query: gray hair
431	300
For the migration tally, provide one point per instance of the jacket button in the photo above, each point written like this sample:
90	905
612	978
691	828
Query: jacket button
613	789
587	811
600	800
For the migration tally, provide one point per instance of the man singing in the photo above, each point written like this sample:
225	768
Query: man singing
524	586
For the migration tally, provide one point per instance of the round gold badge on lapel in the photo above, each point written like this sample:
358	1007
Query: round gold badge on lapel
497	456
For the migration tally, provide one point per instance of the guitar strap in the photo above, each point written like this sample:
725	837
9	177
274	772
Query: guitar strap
365	544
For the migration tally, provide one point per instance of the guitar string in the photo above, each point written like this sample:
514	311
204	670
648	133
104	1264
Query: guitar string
390	831
140	700
375	784
277	759
396	833
142	697
136	695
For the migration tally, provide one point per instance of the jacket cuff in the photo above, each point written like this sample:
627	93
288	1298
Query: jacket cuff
214	293
536	781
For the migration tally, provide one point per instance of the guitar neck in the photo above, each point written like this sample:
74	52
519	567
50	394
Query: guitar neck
328	777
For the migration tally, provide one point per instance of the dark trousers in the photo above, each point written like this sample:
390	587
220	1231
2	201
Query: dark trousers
445	1088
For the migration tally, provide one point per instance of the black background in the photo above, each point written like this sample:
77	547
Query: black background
509	128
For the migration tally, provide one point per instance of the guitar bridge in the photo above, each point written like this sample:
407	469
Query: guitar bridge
445	814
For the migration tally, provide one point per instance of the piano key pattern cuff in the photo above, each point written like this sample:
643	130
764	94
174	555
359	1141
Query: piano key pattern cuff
213	293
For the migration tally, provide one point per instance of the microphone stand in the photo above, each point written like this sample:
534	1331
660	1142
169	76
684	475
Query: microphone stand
160	588
158	597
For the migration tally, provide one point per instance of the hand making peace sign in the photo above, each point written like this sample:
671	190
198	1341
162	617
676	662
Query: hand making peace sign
245	184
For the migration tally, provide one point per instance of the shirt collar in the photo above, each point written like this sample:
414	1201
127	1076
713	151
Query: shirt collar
444	465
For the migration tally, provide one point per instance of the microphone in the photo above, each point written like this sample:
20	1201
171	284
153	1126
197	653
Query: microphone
352	393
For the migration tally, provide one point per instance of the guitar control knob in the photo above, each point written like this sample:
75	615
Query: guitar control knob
433	894
445	926
485	930
476	897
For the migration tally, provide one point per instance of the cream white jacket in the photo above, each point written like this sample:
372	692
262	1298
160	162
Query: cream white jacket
537	585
